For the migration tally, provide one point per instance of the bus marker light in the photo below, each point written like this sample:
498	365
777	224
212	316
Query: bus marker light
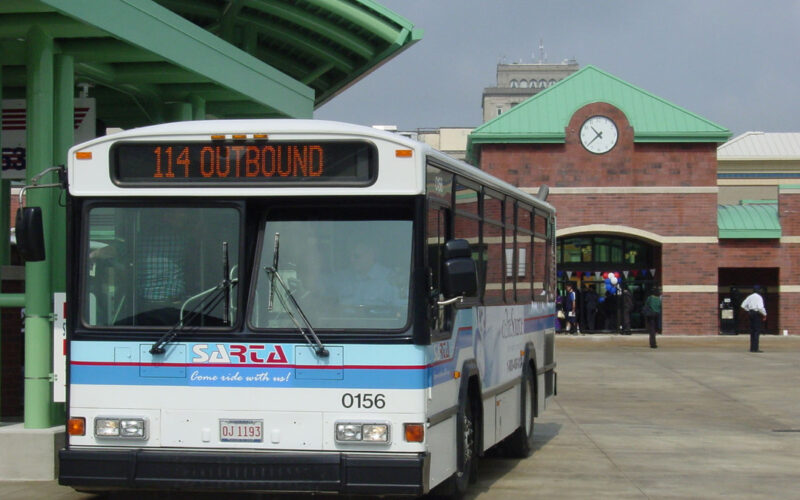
76	426
239	136
415	433
403	153
260	136
456	374
218	137
83	155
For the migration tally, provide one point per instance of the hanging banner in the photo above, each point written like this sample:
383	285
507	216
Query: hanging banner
13	137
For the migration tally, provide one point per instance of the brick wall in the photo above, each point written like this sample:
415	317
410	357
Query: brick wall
665	203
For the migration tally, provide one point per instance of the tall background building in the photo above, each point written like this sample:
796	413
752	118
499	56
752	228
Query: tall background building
517	82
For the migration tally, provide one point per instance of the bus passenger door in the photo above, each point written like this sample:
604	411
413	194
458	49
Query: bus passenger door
440	317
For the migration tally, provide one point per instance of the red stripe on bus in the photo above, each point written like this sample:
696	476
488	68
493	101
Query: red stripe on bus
250	365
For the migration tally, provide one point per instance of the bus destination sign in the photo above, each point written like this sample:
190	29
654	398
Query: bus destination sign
256	163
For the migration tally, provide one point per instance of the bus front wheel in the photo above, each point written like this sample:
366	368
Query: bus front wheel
520	443
467	456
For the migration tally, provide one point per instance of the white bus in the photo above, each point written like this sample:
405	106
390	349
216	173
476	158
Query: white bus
297	305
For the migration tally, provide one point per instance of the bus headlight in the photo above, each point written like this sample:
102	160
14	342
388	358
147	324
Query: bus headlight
362	432
129	428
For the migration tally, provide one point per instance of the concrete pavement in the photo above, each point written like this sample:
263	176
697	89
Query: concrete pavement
700	417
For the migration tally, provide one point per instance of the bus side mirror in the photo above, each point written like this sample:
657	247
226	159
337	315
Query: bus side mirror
460	276
29	232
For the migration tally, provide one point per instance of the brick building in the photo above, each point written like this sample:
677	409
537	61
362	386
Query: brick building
634	179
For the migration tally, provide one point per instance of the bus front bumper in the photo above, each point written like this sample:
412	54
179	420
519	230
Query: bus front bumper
349	473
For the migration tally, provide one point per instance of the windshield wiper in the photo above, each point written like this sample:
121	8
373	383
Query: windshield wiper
316	344
211	298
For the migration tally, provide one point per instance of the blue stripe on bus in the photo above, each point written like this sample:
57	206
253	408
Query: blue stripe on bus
228	376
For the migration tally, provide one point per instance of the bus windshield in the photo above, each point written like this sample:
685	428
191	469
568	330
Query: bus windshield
343	274
161	266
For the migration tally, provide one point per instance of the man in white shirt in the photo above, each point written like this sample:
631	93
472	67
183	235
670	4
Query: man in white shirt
754	305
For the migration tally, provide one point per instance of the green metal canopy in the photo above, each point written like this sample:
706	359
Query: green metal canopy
749	221
157	60
544	117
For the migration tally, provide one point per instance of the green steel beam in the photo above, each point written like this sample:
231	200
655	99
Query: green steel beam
229	18
156	72
317	73
404	39
209	92
361	17
325	28
193	7
294	38
240	108
155	28
15	26
12	300
147	97
106	50
13	52
22	7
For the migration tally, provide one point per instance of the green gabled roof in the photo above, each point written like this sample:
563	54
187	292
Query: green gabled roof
543	117
752	221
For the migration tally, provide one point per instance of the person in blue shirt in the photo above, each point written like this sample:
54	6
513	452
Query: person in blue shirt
570	309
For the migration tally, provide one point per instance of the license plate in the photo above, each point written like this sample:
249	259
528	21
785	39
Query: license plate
241	431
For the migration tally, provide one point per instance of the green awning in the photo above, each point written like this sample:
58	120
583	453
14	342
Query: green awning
150	61
750	221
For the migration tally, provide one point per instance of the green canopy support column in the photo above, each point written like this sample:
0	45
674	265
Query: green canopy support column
63	139
38	289
5	202
178	111
198	107
5	208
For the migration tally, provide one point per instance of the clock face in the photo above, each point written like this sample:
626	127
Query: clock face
598	134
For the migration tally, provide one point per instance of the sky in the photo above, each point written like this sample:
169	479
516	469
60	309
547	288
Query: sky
733	62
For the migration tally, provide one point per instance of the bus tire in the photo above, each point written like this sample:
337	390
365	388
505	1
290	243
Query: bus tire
520	443
455	487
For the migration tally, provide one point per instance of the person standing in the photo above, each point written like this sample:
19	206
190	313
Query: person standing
757	313
627	308
589	307
570	307
652	313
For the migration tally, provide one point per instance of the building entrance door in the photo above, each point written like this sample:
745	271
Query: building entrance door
602	267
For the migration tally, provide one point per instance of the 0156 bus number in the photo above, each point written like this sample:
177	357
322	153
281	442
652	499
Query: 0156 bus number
366	400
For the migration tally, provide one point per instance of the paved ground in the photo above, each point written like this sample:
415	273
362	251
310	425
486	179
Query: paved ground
700	417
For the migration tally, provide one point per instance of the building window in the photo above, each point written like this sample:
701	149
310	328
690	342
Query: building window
499	111
523	84
514	84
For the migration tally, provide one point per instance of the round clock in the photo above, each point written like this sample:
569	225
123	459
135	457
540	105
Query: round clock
598	134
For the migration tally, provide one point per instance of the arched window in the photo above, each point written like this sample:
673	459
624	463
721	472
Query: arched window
514	84
542	84
523	84
551	83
